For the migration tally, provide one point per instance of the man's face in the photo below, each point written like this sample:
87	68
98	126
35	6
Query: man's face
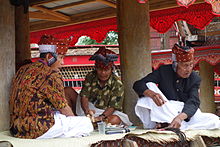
58	64
184	69
104	74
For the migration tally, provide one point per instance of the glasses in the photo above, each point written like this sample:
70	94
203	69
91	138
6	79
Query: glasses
186	66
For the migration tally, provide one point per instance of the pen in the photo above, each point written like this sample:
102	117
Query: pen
117	131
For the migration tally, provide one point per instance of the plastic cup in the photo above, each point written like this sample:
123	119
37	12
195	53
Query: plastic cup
101	127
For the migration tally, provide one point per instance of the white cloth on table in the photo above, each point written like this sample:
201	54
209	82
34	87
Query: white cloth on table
80	112
69	126
150	113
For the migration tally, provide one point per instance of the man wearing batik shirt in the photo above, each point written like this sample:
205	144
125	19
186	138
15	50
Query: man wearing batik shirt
102	91
38	108
170	95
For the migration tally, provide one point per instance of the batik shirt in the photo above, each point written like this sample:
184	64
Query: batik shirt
111	95
36	93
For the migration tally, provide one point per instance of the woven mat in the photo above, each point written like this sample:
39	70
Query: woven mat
151	135
168	136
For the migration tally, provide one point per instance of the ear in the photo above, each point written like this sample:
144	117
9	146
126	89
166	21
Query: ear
48	56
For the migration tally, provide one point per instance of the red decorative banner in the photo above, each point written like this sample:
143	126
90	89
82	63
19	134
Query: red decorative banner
198	15
185	3
96	30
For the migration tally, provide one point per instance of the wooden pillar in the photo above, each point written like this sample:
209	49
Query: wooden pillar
165	38
134	47
22	31
7	60
207	87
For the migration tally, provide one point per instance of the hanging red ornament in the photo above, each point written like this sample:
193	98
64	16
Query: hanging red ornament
185	3
142	1
215	6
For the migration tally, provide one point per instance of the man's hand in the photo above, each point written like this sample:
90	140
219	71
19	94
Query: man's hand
67	111
98	118
156	97
176	123
90	112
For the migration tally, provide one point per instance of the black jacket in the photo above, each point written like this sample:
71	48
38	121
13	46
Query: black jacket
173	87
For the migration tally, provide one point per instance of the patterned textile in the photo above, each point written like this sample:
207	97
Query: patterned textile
36	93
211	141
47	43
135	141
111	95
104	58
183	54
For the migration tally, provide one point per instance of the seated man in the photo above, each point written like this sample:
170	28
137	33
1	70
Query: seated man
175	99
38	108
102	92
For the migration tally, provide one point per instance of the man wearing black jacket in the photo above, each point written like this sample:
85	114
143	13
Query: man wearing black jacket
175	99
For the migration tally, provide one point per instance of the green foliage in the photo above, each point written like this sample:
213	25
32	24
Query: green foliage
111	39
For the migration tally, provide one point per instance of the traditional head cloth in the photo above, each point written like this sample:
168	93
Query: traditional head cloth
104	58
183	53
50	44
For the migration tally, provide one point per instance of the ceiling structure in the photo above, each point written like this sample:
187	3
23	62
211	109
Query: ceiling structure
45	14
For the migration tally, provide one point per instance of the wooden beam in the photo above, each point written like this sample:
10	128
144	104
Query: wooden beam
166	4
44	16
154	4
75	19
213	33
107	3
74	4
41	2
56	14
100	14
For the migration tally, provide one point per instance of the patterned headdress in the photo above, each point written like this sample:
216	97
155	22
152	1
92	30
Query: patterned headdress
48	43
104	58
183	53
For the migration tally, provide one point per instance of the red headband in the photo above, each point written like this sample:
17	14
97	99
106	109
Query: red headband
48	43
104	58
183	54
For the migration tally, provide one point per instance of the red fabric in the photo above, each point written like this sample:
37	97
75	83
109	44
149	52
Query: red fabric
198	15
183	55
105	63
62	45
102	65
95	30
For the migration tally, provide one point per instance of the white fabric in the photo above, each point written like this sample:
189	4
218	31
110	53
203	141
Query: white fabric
150	113
69	126
47	48
80	112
